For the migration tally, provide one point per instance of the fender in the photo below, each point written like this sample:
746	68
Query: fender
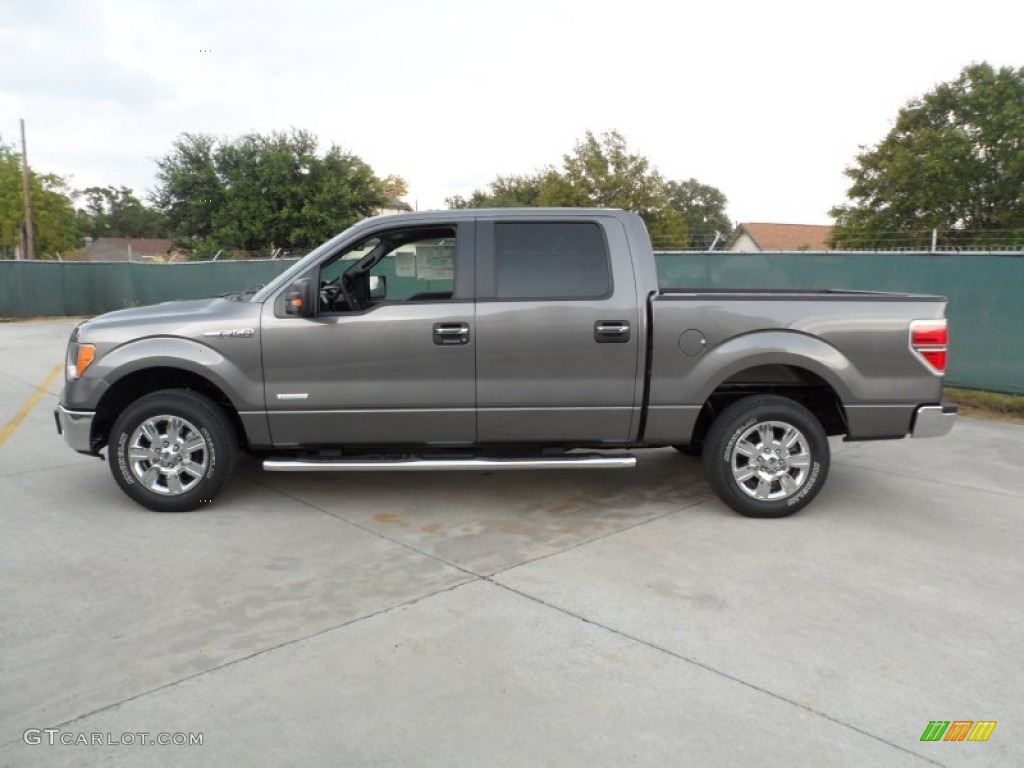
681	385
240	377
777	347
679	381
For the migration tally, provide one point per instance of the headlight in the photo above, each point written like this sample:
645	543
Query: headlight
80	357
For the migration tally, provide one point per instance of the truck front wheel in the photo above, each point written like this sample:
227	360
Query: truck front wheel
766	456
172	450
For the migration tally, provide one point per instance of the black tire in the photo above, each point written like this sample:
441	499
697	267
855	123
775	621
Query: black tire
189	462
780	479
693	449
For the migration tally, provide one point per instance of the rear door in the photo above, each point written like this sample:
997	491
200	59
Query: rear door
558	331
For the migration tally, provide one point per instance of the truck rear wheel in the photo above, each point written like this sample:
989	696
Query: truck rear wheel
172	450
766	456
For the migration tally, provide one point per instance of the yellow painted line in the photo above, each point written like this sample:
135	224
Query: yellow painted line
24	411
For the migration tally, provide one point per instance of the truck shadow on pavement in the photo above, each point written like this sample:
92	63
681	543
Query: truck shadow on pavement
488	521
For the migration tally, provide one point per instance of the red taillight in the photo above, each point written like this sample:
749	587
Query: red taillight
928	338
929	335
936	358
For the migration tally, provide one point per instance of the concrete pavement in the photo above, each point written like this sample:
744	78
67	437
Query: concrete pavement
513	619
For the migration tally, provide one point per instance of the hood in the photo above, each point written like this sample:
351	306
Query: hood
171	318
164	310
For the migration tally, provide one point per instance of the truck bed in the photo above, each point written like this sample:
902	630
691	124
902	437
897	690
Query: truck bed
702	341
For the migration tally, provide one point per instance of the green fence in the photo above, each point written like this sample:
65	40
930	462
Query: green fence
985	291
34	288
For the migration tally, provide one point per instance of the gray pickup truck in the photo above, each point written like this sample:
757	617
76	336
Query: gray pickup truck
500	339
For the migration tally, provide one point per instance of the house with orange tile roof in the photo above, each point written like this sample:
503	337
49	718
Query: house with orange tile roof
753	237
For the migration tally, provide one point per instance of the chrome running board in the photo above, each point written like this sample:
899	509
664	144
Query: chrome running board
569	461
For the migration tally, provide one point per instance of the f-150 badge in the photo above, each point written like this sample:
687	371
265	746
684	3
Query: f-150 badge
243	333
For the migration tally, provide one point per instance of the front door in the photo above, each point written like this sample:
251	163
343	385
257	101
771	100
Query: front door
389	357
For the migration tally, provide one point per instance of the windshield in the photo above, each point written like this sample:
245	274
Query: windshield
298	267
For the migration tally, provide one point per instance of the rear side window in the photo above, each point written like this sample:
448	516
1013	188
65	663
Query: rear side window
551	260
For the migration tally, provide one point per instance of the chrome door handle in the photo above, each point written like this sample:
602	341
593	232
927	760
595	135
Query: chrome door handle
611	331
447	334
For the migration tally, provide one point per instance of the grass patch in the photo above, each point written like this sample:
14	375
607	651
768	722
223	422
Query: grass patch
991	403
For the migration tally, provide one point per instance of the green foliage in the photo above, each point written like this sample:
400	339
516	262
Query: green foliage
703	209
116	212
954	161
260	192
504	192
601	172
189	189
395	186
53	215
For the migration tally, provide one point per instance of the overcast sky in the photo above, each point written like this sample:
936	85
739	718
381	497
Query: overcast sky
768	101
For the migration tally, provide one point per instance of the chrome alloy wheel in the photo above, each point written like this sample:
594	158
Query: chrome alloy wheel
168	455
771	461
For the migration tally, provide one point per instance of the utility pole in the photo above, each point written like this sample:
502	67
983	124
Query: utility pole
30	252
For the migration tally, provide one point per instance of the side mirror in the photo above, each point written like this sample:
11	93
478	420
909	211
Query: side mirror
300	298
378	287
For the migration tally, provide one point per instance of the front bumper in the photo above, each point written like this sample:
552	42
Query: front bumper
76	427
933	420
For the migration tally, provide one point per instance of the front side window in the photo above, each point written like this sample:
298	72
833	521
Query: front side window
551	260
404	265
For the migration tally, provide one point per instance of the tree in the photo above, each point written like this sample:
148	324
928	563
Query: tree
188	187
602	172
504	192
53	215
953	161
116	212
703	208
261	192
395	186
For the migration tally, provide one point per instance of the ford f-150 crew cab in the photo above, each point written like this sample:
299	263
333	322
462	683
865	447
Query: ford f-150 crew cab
499	339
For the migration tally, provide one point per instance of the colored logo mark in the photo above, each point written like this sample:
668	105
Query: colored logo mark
958	730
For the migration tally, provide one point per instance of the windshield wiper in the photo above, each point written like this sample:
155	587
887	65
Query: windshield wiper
240	295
